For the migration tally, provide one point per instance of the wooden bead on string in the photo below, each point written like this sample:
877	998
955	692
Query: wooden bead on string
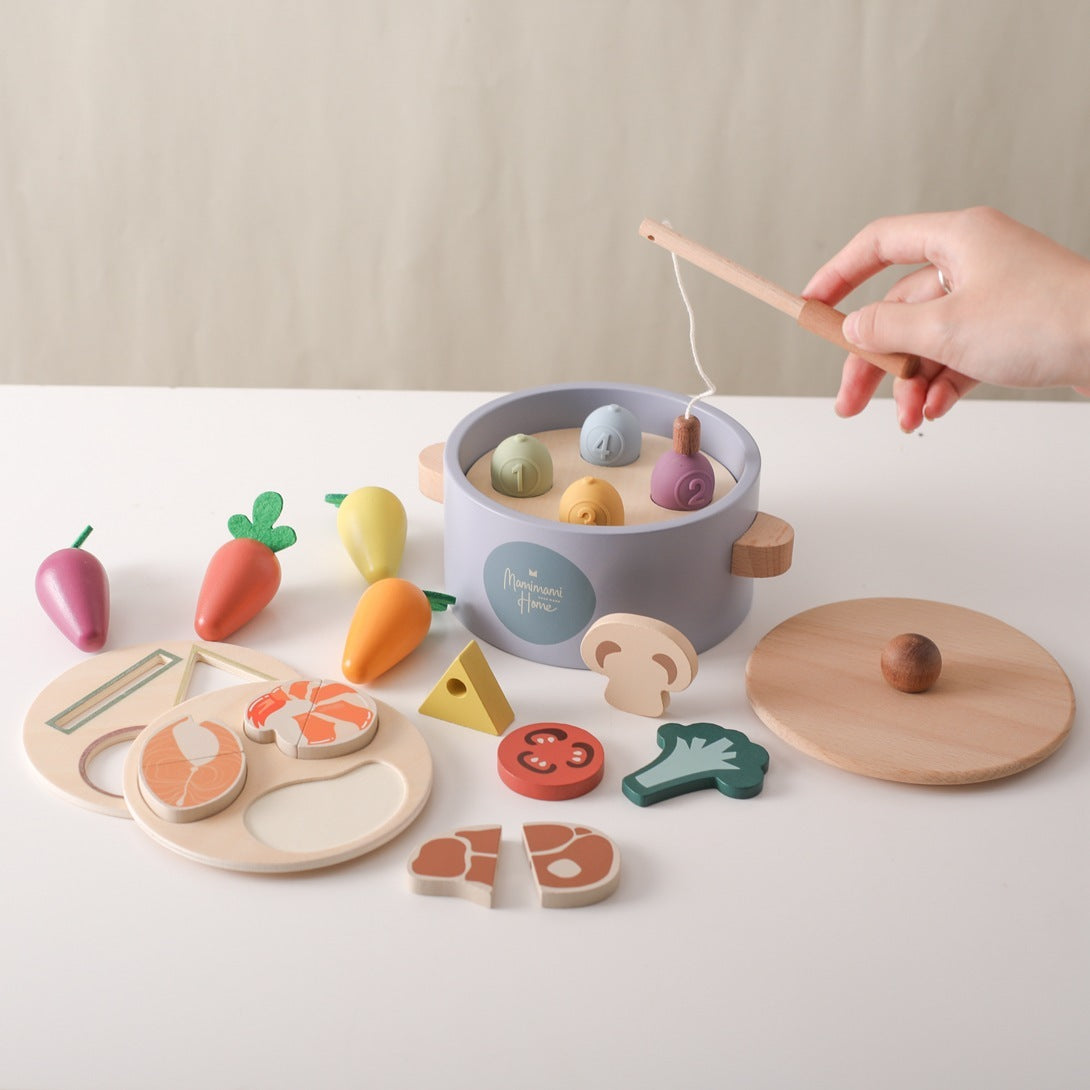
683	479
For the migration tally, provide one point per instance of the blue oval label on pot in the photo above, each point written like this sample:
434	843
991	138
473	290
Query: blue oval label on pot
538	595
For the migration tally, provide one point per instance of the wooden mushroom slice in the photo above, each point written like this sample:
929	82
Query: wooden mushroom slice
644	659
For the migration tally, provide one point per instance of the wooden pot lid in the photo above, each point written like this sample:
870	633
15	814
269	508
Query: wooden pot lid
1001	704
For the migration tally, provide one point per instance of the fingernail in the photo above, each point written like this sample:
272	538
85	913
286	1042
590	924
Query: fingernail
850	328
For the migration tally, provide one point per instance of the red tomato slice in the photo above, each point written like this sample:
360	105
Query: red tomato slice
551	761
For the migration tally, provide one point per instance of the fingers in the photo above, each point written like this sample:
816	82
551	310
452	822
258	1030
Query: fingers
929	395
860	379
894	240
945	391
858	382
916	316
921	329
909	396
920	286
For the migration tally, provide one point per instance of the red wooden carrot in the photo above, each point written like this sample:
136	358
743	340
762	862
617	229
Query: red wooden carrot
243	576
72	586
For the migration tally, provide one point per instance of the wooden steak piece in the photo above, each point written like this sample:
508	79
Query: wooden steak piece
462	864
573	865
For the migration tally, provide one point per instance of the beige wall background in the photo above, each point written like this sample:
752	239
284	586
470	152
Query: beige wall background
446	193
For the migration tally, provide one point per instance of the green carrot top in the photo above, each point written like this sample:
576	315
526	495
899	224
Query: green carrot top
267	509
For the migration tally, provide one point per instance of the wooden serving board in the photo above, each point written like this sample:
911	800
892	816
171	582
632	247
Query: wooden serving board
1001	704
292	814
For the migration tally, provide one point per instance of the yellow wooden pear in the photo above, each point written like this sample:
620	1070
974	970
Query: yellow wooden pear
372	525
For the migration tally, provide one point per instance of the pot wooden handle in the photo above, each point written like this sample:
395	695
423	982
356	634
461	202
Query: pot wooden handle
429	469
764	549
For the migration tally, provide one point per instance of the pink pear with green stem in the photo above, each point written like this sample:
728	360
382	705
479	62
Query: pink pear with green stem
72	586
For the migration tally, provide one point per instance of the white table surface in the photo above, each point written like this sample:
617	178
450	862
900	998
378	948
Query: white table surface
836	931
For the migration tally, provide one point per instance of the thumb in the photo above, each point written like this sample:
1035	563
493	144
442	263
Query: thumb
897	327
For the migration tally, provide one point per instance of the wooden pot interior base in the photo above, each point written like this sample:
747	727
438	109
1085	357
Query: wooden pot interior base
632	481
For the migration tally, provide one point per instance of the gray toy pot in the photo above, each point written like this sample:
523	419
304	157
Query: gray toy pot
532	586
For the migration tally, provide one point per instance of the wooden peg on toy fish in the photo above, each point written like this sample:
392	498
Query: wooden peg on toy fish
590	501
391	620
372	525
683	479
72	586
611	436
243	575
522	467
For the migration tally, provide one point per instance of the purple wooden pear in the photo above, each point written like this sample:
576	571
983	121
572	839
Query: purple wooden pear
75	594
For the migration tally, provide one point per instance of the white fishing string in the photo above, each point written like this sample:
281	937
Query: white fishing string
709	385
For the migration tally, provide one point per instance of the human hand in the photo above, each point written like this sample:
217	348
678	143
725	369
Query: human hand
1017	313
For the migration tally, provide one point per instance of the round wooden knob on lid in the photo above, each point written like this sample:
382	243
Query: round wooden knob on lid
911	663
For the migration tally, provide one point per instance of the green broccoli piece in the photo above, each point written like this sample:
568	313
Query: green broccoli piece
697	756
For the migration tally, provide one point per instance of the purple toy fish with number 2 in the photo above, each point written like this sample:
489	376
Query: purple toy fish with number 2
75	594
